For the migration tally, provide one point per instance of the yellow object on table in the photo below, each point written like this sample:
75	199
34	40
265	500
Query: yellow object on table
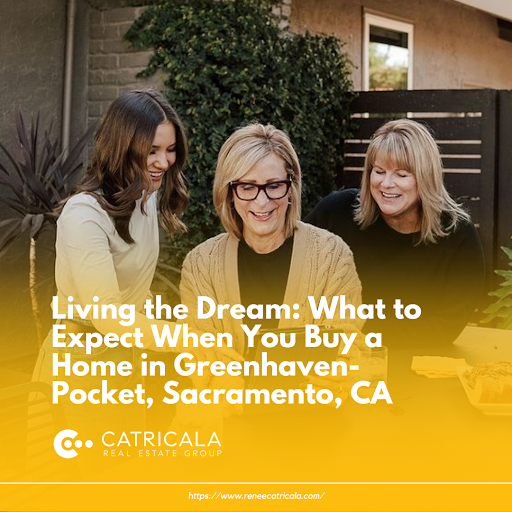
436	367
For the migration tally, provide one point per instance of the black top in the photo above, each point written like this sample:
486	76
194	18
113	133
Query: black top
445	279
263	278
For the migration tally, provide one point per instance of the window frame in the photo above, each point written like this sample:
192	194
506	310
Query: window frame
391	24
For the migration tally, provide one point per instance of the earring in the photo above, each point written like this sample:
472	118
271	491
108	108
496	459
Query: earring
289	200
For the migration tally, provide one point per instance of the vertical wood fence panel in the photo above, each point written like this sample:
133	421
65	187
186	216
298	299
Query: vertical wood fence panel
504	185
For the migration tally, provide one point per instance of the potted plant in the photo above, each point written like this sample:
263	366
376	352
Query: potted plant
501	310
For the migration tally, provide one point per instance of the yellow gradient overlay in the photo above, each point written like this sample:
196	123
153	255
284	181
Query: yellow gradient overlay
431	433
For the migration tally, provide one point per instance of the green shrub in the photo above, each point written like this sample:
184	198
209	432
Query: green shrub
227	63
500	311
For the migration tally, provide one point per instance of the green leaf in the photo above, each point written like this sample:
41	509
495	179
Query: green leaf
508	252
507	274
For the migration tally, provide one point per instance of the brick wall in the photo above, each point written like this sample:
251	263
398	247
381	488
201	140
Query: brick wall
113	66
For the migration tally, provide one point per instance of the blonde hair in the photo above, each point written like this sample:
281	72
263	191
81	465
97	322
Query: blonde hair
238	155
410	146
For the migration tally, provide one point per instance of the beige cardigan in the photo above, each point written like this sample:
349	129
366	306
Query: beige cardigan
321	264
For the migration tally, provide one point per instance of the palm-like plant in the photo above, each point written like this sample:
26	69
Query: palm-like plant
37	175
501	310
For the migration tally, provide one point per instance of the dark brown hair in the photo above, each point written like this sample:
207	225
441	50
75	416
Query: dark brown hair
117	174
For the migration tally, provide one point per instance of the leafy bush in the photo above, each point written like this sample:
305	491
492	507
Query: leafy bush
227	63
501	310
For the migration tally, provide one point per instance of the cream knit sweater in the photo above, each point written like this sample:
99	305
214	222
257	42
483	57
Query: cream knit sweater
321	265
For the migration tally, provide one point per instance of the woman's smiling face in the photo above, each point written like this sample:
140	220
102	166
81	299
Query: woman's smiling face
162	155
395	191
263	218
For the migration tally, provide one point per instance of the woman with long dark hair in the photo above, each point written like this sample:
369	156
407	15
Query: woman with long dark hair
107	232
108	241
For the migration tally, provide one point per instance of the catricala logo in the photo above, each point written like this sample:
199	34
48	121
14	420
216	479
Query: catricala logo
63	443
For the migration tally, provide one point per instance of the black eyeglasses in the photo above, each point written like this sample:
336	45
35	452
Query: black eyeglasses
250	191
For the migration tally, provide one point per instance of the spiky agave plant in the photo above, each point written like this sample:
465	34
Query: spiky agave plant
37	175
501	310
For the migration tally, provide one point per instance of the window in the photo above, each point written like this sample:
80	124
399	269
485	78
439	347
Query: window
387	54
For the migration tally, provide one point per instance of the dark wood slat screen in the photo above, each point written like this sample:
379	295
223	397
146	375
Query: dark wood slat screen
464	124
456	128
504	185
453	162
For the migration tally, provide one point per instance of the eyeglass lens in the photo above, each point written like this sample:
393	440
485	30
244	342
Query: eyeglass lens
249	191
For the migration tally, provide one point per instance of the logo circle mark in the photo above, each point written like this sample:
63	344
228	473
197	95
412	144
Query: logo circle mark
62	439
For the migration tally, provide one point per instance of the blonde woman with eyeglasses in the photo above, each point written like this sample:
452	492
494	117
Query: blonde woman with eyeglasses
267	255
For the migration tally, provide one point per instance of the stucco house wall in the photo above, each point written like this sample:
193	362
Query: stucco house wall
455	46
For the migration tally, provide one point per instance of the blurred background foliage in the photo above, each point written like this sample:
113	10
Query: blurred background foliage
229	63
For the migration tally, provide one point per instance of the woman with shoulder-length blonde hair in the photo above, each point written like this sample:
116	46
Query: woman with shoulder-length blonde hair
410	146
267	255
411	240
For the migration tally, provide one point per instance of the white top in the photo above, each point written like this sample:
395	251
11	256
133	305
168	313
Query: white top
93	260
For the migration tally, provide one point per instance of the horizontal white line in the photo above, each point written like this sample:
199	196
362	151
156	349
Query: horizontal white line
459	141
362	155
446	171
461	156
255	483
439	141
462	171
419	115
